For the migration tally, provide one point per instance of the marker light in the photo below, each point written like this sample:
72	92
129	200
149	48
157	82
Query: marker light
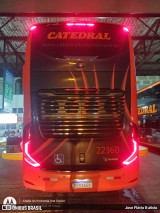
80	24
33	28
28	158
133	156
126	29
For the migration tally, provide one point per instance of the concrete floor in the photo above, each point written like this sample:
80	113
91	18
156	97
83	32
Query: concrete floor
149	179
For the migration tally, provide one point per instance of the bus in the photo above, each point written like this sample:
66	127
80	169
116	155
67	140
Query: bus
149	115
80	108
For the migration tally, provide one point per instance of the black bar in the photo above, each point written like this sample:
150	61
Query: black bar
35	207
40	14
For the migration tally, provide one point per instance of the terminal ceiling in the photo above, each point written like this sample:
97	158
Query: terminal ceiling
144	26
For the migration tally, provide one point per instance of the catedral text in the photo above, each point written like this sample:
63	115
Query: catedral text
78	35
151	109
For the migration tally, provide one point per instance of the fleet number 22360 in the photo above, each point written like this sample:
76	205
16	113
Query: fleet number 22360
103	150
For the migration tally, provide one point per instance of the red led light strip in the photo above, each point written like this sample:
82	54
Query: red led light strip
80	24
133	156
28	158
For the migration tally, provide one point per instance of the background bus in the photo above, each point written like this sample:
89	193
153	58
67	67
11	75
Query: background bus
149	114
80	109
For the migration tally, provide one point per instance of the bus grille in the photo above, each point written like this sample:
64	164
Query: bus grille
89	115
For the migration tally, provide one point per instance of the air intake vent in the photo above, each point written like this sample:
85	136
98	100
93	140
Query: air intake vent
50	107
92	106
71	106
90	115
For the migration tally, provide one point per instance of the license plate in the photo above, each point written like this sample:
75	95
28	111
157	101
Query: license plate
81	184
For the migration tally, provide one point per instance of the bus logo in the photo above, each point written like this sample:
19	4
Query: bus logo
79	35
